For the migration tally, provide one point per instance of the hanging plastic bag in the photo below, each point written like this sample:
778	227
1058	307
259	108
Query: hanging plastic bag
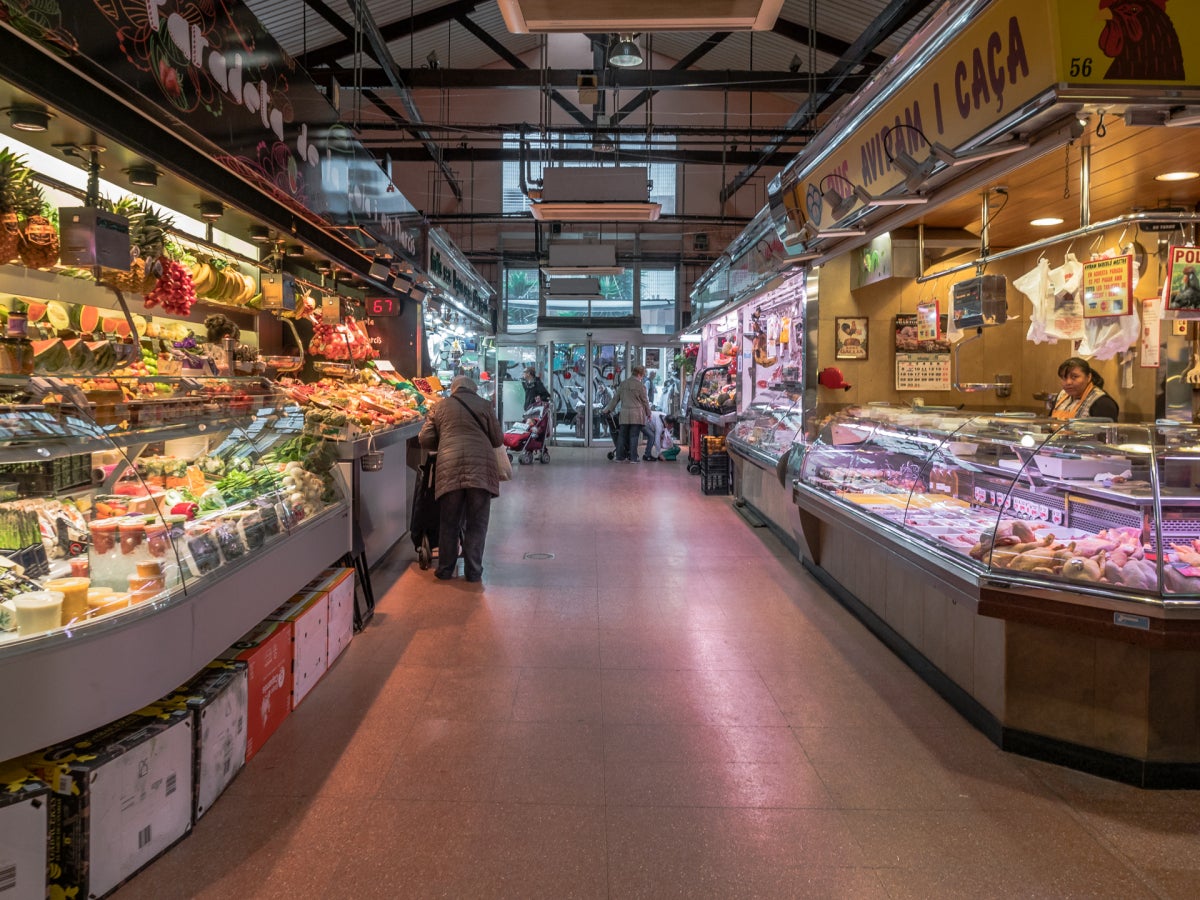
1035	284
1066	317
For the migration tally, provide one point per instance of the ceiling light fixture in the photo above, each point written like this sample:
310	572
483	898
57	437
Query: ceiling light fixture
840	206
144	175
29	117
977	154
595	212
625	53
295	249
1046	221
1177	176
915	172
841	232
260	234
211	210
1189	115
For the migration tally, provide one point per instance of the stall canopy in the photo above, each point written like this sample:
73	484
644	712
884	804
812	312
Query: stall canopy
985	87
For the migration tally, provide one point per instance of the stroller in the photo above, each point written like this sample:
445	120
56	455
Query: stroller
529	436
424	521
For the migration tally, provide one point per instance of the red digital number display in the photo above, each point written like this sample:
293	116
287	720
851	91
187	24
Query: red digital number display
382	306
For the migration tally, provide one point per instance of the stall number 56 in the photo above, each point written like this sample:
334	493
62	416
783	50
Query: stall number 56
1081	66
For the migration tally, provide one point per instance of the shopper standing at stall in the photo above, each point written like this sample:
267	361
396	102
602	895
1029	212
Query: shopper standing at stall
631	397
1082	393
464	431
535	389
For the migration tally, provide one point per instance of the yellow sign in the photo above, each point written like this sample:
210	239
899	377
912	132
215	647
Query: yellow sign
1007	55
1002	59
1142	42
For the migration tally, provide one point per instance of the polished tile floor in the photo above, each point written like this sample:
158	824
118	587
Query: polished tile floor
647	698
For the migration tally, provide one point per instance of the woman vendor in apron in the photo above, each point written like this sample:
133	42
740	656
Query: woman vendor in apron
1082	394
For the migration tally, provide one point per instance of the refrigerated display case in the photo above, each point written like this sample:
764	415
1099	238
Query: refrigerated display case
1049	570
760	444
165	518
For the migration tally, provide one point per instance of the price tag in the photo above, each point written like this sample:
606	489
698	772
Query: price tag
384	365
331	309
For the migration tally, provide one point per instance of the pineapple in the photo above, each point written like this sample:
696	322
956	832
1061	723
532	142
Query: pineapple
147	232
13	176
38	244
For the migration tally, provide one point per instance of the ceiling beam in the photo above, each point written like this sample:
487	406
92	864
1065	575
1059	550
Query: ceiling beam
680	66
331	53
896	15
518	65
625	157
379	50
322	9
820	41
675	78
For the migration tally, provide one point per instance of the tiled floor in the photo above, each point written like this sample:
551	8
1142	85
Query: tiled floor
668	707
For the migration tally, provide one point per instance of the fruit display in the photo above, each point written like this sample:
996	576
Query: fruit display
716	390
222	282
345	341
337	409
174	290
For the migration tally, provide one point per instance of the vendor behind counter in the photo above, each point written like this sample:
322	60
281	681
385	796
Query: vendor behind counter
1082	394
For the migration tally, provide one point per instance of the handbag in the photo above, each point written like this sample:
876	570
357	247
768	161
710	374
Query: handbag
503	463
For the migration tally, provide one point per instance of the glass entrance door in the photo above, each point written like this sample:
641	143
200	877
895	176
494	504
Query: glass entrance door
584	376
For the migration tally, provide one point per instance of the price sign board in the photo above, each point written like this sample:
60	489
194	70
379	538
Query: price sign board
378	307
1108	287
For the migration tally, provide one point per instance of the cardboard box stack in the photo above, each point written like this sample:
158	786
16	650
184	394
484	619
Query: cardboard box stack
24	815
121	796
339	585
267	652
308	615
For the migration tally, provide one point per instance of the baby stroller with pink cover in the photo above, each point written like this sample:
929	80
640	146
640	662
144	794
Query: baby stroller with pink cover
529	435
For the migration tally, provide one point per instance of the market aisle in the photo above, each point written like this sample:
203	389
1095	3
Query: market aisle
648	698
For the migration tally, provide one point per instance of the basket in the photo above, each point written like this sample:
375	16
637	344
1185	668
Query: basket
51	476
716	483
372	460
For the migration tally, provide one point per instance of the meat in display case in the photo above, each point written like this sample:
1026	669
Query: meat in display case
116	499
1085	507
714	394
766	431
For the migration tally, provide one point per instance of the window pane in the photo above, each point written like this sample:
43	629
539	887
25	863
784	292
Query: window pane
659	290
521	299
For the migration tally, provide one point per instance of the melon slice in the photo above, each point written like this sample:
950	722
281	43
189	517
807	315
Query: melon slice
50	357
35	311
58	315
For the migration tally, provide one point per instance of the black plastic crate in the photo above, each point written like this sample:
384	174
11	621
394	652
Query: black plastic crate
716	483
49	476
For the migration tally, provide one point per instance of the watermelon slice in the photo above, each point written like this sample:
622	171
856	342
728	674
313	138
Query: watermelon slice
120	327
50	357
35	311
89	319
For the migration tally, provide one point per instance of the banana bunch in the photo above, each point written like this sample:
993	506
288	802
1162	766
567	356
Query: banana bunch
222	284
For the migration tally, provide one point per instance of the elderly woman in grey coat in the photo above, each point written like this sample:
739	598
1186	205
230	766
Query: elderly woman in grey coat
464	431
635	411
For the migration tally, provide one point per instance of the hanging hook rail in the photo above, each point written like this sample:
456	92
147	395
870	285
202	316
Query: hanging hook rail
1130	218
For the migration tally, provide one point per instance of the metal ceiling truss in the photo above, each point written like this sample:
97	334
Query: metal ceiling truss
628	157
822	43
379	51
682	65
897	14
518	65
331	53
322	9
678	77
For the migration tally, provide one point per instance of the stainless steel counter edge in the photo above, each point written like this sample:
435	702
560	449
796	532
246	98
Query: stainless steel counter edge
350	450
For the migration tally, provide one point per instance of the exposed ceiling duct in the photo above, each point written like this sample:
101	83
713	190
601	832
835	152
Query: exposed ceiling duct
542	16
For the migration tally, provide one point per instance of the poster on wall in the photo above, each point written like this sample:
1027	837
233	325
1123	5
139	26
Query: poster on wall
1108	287
928	323
850	337
1183	278
921	364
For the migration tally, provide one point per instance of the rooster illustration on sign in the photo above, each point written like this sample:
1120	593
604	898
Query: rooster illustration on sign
1141	40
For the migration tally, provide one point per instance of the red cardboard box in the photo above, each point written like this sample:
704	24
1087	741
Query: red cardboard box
308	614
267	651
339	585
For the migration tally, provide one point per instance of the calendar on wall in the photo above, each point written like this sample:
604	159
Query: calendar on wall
922	371
922	362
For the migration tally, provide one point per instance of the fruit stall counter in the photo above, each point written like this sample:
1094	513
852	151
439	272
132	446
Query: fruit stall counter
134	550
1043	575
760	445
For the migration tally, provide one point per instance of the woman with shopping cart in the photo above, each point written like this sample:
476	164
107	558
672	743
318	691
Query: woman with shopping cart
630	397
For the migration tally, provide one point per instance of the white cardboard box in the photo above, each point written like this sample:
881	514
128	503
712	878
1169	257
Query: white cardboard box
308	612
23	846
339	584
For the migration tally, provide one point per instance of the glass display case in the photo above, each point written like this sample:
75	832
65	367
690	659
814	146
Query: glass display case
1085	507
119	498
714	395
767	429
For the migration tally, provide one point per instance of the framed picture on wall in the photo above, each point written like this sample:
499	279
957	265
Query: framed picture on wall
850	337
